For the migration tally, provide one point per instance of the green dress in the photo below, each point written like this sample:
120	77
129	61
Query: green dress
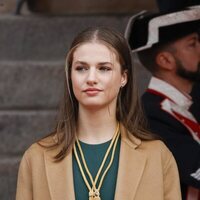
94	155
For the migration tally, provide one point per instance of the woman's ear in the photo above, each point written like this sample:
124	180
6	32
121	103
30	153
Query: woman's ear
124	78
165	60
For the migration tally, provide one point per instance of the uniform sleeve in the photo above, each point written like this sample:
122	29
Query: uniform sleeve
171	180
185	150
24	182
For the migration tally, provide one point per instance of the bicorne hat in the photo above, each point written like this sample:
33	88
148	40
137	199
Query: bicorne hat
147	29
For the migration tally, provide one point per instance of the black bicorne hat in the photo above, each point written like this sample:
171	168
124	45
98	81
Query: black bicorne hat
147	29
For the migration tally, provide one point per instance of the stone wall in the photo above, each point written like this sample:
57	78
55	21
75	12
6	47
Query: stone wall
92	6
66	7
7	6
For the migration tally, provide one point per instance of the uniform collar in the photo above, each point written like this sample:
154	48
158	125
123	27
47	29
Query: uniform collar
181	99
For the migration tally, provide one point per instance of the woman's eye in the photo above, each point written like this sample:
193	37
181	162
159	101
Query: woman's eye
81	68
104	68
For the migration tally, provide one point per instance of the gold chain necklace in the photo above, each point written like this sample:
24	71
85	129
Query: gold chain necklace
94	192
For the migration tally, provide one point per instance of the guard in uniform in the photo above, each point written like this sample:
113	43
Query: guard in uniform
167	44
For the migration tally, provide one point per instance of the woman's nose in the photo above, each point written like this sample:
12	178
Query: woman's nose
92	76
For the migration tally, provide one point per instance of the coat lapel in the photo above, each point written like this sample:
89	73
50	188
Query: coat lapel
59	177
131	167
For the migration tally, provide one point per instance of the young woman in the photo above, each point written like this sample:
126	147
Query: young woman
100	148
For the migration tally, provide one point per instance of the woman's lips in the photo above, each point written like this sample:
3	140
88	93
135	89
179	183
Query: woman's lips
92	91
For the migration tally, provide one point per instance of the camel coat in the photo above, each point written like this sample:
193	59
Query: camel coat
147	171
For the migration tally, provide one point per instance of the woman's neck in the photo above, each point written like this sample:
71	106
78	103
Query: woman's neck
96	127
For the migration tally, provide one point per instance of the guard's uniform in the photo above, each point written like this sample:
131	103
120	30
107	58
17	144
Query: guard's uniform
172	115
195	107
169	116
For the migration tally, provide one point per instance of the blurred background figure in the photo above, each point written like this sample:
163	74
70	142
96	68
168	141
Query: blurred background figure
170	5
170	50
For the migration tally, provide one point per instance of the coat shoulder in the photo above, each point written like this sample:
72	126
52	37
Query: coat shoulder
155	146
156	149
38	148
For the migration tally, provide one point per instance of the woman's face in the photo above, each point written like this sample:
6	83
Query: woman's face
96	76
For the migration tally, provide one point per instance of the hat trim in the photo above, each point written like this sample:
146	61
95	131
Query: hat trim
130	23
166	20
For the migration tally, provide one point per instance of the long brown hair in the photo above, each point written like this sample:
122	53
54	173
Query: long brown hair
128	111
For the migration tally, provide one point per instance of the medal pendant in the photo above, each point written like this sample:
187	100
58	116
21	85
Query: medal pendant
94	195
91	195
97	195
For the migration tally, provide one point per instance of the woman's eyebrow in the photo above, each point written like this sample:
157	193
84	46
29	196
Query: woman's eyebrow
80	62
105	63
99	63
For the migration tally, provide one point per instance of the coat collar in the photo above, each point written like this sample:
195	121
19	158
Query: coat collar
59	176
179	98
131	167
